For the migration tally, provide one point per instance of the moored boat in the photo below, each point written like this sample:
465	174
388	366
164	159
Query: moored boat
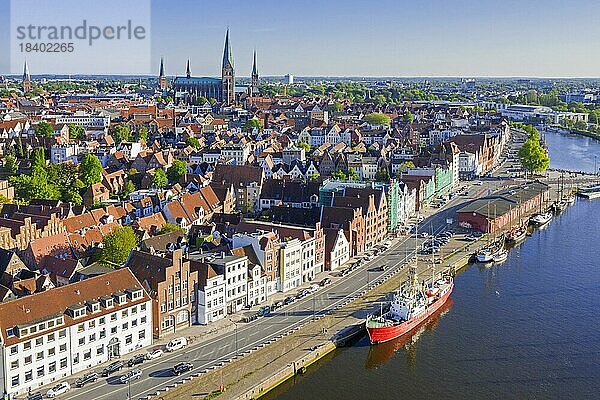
517	234
409	308
590	191
500	256
541	219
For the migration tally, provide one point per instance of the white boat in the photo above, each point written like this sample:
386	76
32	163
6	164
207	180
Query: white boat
590	192
485	256
541	219
500	256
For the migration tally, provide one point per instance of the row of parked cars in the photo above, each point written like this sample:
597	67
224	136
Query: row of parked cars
131	375
433	244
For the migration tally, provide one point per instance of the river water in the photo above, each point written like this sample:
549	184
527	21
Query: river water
572	152
526	329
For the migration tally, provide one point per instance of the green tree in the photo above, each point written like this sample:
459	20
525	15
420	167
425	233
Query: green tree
377	119
192	141
252	123
44	129
176	170
143	134
121	133
580	126
533	156
352	174
168	227
314	176
405	166
10	165
202	100
303	145
128	188
159	180
408	117
336	107
382	175
76	132
117	246
339	175
90	170
38	158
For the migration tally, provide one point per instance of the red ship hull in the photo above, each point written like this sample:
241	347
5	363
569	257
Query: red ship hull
384	334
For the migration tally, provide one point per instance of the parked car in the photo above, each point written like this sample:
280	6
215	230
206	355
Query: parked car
58	389
176	344
325	282
276	305
313	288
131	375
35	396
152	354
382	267
114	367
288	300
91	377
182	368
424	235
135	360
250	317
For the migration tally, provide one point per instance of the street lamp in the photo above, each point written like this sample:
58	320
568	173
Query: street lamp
236	336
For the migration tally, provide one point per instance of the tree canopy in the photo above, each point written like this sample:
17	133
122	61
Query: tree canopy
44	129
176	170
304	145
167	228
76	132
382	175
339	175
192	141
121	133
377	119
532	155
159	180
117	246
253	123
90	170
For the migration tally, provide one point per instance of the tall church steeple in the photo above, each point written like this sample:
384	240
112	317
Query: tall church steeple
162	79
26	78
254	78
188	72
228	73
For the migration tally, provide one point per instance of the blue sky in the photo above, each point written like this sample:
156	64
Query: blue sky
549	38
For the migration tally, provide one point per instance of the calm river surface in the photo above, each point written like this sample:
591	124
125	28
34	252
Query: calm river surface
526	329
572	152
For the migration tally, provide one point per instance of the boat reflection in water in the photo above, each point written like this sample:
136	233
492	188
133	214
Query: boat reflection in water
382	353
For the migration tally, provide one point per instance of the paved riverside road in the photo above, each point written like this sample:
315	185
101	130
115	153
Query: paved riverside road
157	374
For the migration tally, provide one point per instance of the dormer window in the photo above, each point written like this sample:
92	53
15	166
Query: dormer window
93	306
120	298
135	293
107	302
77	311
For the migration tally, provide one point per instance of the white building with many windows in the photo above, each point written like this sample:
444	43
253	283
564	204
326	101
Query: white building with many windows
51	335
290	265
235	270
212	300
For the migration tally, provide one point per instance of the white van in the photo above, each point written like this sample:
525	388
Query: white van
176	344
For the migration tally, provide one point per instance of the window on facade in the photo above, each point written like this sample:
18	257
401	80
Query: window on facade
14	364
62	333
87	355
81	341
62	347
80	327
92	324
125	326
39	355
51	351
14	381
39	341
28	360
143	320
27	345
33	329
40	371
99	350
133	310
75	358
14	350
28	376
52	367
170	289
102	321
128	339
142	334
103	333
51	337
177	303
113	330
163	307
113	316
124	313
93	337
143	307
170	305
134	322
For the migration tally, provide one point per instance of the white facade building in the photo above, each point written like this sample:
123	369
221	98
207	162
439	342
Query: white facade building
60	153
56	333
212	299
290	265
234	270
340	251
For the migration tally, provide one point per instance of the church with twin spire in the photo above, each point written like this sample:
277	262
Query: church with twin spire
189	88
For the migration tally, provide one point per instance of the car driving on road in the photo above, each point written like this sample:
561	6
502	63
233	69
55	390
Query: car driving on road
183	367
131	375
135	360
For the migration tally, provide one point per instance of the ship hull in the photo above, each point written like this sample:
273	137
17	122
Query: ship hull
387	333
